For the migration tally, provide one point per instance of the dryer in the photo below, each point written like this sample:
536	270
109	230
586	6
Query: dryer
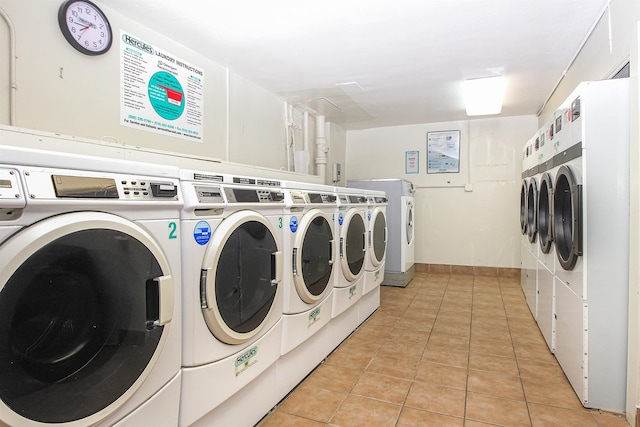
558	132
90	313
529	276
400	257
232	273
591	231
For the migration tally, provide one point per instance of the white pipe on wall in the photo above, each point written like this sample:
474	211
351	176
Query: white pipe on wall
12	68
288	119
321	147
305	126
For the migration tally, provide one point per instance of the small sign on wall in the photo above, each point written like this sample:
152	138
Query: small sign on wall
411	162
443	151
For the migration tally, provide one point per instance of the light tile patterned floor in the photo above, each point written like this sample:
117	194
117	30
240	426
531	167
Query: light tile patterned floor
447	350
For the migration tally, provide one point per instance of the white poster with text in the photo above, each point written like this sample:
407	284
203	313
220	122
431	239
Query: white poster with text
159	92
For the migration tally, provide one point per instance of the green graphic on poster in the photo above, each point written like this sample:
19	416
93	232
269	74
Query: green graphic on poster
166	95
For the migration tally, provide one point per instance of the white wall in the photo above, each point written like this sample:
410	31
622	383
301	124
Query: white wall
455	226
62	91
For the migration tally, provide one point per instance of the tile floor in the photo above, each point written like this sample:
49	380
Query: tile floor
447	350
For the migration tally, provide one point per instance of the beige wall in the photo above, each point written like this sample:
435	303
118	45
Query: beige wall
62	91
474	226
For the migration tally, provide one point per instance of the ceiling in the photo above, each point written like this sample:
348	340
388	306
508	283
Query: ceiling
370	63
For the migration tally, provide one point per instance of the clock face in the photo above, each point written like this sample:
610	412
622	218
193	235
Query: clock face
85	27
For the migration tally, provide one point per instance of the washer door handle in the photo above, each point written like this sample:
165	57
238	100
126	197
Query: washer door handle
331	254
276	267
164	286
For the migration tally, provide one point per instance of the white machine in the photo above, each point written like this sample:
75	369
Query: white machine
90	313
528	199
558	133
310	250
352	252
376	218
400	259
591	230
232	271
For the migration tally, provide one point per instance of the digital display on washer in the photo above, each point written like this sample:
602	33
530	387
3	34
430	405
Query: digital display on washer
83	187
315	198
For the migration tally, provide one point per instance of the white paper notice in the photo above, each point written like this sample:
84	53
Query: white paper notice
159	92
443	152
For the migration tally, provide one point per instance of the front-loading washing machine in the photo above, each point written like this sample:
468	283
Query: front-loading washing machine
591	235
376	223
311	251
352	252
232	287
400	257
90	313
310	248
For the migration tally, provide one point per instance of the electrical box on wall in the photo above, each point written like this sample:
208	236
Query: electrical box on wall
336	175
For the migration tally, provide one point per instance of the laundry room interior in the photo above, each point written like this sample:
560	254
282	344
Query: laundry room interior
303	222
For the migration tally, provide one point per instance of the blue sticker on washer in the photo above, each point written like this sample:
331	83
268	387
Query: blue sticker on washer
293	224
340	218
202	233
368	215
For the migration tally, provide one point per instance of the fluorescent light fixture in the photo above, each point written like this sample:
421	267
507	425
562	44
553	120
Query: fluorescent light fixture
484	96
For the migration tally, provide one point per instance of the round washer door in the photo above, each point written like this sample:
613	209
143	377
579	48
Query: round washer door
532	210
409	222
545	213
313	257
567	218
377	237
241	274
353	241
86	300
523	206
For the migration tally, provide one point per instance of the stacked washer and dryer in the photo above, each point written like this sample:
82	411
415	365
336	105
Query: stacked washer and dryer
90	291
590	234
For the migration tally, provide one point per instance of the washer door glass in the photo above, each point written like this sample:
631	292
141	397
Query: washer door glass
409	223
567	218
242	272
314	256
545	214
523	207
532	210
379	238
354	245
78	316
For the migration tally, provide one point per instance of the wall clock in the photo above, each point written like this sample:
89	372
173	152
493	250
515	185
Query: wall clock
85	27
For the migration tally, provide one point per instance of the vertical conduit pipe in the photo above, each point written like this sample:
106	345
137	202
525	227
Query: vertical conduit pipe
12	68
321	147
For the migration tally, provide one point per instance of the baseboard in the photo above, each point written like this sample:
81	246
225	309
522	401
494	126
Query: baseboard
467	269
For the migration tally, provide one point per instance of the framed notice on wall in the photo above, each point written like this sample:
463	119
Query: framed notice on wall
443	151
411	162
